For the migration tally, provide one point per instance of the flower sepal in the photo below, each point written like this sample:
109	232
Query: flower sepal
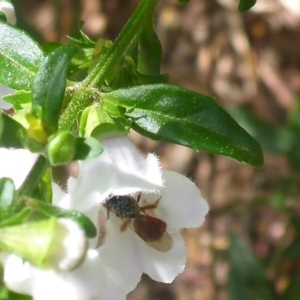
96	122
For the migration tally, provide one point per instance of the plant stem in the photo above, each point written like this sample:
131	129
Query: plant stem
128	37
106	62
33	177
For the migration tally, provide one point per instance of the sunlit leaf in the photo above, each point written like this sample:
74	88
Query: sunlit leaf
20	57
49	86
173	114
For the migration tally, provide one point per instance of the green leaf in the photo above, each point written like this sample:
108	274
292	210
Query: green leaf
49	210
50	47
149	50
173	114
272	138
3	16
82	60
292	251
18	99
246	273
87	148
184	1
17	218
20	57
7	193
294	155
10	132
245	5
80	38
237	286
294	117
293	290
49	86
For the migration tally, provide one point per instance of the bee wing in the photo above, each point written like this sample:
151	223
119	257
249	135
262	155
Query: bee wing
153	232
163	244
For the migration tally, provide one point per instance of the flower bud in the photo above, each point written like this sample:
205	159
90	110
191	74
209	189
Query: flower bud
61	148
7	8
52	244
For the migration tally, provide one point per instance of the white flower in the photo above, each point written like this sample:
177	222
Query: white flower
16	164
122	170
91	281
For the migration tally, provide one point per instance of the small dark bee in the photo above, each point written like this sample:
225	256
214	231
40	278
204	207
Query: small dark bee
150	229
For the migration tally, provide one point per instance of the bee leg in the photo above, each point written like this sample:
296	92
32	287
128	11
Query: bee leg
124	225
150	206
139	197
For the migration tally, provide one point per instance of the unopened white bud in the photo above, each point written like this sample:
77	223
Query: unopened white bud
7	8
58	244
68	250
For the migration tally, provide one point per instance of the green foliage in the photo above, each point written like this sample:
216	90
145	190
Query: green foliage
49	86
87	148
118	87
18	99
41	210
272	138
149	51
11	131
245	5
61	148
247	277
18	64
176	115
184	1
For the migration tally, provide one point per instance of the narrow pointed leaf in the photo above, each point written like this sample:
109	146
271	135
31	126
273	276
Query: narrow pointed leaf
49	86
20	57
149	50
173	114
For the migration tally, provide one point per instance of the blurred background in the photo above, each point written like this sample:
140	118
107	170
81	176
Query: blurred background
249	247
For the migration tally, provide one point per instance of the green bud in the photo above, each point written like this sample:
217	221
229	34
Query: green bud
61	148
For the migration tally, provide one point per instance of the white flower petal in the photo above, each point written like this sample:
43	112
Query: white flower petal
89	281
165	266
17	274
122	253
58	195
16	164
182	205
130	256
121	169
